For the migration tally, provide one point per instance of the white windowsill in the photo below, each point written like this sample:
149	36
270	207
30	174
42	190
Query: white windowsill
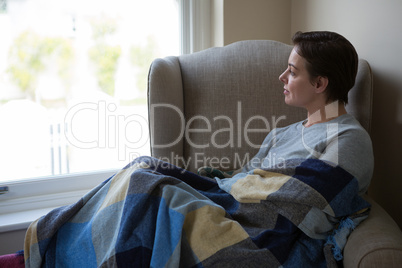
29	200
20	220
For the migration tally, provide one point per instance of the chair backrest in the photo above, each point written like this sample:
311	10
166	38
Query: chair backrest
216	106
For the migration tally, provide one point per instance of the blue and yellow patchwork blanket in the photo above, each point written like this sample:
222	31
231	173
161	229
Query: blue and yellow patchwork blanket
153	214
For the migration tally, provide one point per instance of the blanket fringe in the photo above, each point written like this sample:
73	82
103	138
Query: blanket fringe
337	240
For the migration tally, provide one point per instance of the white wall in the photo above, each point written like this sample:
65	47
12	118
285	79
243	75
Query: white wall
11	242
235	20
373	26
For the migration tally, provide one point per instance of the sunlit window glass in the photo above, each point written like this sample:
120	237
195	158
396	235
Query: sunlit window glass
73	81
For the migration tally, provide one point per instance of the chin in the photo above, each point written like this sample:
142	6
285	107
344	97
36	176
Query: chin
293	104
288	102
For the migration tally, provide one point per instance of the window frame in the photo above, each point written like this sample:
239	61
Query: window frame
195	23
28	199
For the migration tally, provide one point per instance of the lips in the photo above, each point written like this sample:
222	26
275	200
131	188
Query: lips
286	92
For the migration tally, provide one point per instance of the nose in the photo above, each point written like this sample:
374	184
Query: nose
283	77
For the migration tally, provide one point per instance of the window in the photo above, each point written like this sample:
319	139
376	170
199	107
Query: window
73	92
73	78
3	6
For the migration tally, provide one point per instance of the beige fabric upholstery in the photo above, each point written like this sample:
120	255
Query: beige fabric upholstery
361	96
222	88
165	87
377	242
201	104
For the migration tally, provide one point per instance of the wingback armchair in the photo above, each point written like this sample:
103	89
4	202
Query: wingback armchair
216	106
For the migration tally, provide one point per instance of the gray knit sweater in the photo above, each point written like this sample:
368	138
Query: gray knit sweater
341	141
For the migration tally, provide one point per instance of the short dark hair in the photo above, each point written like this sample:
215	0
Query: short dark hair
330	55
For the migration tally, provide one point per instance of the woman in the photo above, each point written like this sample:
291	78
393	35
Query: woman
153	214
321	70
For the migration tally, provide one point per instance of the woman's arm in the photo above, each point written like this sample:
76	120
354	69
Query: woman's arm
352	150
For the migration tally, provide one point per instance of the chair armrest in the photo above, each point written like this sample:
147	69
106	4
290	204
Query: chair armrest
165	106
376	242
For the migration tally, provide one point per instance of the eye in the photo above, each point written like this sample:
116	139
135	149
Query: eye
291	73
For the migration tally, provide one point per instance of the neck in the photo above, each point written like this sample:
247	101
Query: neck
324	114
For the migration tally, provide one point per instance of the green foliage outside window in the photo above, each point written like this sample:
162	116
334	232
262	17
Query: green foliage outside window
31	54
104	56
142	57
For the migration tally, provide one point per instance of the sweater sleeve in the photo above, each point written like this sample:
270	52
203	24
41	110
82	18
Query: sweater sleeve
352	150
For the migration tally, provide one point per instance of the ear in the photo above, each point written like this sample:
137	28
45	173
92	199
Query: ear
321	84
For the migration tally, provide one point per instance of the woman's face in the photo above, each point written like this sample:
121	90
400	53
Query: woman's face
299	91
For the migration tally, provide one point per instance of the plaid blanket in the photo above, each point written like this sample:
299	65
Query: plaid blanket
153	214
